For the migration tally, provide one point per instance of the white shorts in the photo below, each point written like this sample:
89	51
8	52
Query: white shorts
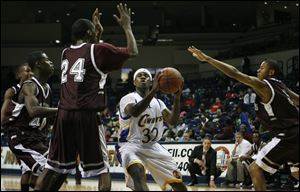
155	158
24	167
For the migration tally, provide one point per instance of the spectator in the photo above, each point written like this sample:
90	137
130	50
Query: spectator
249	100
244	125
227	131
189	102
241	147
202	161
217	105
186	137
250	156
181	125
170	135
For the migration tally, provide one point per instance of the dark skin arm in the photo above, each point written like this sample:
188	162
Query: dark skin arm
125	22
98	26
9	93
32	104
259	86
172	117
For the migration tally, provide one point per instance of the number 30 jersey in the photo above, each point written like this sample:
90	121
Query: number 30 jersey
83	74
147	127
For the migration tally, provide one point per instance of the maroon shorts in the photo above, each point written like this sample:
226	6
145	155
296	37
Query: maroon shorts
76	132
30	147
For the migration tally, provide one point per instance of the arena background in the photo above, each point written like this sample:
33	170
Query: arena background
227	30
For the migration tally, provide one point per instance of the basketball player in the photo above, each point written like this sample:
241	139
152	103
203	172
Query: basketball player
276	108
10	96
10	101
27	118
141	118
76	129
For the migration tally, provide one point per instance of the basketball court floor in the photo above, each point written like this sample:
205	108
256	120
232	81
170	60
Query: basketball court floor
12	183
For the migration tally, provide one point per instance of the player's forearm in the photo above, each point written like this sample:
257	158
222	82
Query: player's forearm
227	69
131	42
141	106
41	111
175	111
3	109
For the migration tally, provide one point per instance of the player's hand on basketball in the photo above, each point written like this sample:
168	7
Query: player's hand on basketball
198	54
179	92
125	16
96	22
155	84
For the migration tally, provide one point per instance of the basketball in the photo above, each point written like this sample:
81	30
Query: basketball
170	80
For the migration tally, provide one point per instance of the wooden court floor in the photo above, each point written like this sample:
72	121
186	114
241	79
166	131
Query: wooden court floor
12	183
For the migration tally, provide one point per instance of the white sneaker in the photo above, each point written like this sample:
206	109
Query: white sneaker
296	185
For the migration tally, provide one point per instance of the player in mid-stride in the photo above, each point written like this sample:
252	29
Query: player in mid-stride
141	118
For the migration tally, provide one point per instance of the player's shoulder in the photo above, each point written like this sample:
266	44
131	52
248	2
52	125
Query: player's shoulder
159	100
104	46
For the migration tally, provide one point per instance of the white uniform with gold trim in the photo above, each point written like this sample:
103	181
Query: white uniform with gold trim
138	138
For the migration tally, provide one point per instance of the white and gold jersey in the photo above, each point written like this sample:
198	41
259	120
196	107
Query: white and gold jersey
147	127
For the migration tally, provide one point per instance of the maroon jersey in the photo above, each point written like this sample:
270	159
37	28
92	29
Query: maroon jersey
11	112
83	76
279	113
20	115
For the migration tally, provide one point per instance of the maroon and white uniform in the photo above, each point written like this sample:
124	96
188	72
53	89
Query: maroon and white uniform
281	117
26	135
13	108
76	129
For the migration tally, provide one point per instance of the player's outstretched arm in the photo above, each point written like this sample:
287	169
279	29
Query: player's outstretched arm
125	22
259	86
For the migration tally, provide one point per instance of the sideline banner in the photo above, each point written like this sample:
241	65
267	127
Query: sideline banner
179	152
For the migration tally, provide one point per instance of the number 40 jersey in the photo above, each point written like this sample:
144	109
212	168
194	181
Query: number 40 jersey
147	127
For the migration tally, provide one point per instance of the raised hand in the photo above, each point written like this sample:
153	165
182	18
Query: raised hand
125	16
198	54
96	22
155	84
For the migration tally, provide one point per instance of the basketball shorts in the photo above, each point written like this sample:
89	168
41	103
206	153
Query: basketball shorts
30	148
283	148
155	159
78	133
